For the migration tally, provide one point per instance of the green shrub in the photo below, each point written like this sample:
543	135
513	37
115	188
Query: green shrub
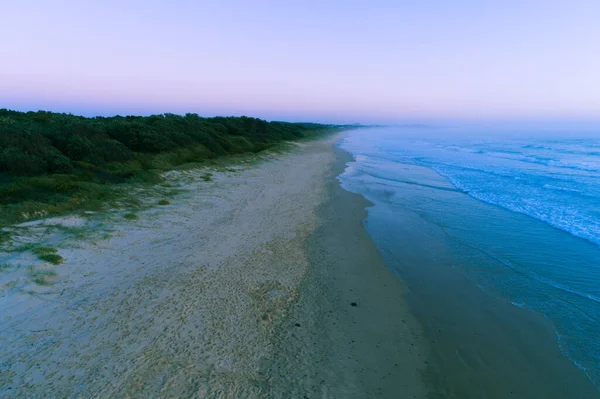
5	236
52	258
131	216
164	202
44	250
206	177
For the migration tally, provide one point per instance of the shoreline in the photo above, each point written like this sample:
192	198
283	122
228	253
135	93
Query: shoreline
481	345
351	320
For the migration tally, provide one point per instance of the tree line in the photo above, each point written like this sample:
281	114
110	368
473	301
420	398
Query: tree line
34	143
42	153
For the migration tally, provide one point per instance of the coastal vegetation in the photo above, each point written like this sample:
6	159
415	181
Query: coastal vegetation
41	276
52	162
48	254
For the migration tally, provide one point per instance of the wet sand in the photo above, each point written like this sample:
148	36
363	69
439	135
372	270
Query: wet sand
481	346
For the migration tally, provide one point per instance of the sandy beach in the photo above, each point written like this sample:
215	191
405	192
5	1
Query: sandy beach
354	335
251	285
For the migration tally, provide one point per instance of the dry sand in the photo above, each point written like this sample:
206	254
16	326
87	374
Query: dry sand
241	288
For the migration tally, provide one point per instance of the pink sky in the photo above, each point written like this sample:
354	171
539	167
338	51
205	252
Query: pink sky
330	61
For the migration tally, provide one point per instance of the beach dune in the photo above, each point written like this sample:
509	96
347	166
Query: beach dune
252	285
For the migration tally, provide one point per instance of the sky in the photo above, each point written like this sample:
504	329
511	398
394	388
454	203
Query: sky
327	61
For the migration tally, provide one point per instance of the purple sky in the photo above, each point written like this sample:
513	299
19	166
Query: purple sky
330	61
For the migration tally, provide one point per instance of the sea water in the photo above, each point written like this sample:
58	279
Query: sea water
526	201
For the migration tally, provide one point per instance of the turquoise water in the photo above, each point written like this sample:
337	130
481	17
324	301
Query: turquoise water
525	205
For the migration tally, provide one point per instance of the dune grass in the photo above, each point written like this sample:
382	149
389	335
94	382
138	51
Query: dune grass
44	250
131	216
206	176
52	258
48	254
5	236
41	276
24	248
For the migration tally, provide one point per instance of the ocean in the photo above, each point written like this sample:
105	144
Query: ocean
518	213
